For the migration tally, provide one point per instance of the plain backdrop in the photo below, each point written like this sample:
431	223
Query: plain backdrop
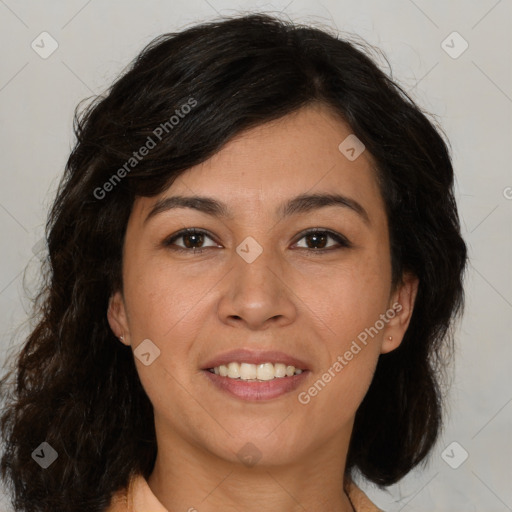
453	58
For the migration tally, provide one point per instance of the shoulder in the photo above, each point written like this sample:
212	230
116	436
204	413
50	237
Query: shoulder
136	497
118	503
359	500
122	500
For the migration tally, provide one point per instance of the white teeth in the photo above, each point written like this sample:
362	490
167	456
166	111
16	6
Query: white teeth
280	370
233	370
247	371
265	371
262	372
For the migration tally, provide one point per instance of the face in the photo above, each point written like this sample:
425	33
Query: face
255	275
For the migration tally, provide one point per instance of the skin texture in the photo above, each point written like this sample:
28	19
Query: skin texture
310	305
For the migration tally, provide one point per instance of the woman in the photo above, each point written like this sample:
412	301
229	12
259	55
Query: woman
255	264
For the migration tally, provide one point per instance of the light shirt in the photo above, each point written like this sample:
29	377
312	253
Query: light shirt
138	497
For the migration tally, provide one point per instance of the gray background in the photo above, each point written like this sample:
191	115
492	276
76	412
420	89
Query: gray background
470	96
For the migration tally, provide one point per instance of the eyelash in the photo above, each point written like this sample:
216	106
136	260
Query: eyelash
343	242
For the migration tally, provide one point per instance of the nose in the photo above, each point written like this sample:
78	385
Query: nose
256	294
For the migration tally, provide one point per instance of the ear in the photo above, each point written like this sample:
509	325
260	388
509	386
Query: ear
117	317
402	303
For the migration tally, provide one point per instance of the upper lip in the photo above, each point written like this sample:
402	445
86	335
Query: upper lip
242	355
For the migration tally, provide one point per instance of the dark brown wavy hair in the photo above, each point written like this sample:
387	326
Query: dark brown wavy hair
74	386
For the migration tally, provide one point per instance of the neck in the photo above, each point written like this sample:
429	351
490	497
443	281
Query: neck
205	482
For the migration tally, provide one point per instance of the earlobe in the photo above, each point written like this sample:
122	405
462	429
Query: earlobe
402	303
116	316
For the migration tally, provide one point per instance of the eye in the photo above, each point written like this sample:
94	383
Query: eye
319	237
193	240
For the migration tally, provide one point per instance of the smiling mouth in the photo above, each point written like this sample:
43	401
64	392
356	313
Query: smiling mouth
243	382
255	372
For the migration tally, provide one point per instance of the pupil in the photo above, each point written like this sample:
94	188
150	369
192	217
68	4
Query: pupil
316	236
191	235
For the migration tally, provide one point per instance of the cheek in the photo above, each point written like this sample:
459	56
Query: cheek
337	393
352	310
357	294
164	306
162	299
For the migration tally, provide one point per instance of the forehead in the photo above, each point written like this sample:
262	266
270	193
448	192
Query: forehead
270	163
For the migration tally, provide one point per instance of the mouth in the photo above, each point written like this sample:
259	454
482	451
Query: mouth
255	372
252	375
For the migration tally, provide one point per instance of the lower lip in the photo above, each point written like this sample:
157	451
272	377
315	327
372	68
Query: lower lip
257	391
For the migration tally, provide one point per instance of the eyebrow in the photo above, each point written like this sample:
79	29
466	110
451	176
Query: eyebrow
303	203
